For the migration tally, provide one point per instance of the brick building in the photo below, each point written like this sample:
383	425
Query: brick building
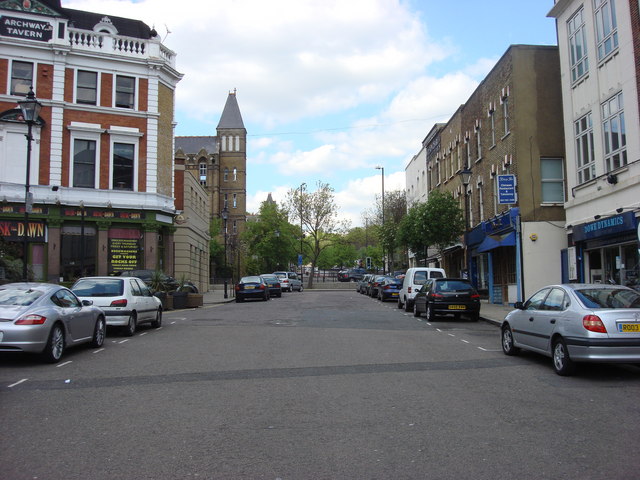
221	163
103	147
510	125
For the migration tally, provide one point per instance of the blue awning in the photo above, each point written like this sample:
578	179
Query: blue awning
494	241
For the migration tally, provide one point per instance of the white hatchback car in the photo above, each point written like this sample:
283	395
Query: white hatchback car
126	301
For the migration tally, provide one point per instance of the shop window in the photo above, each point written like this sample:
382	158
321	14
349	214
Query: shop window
235	200
87	87
123	166
21	78
84	163
78	251
125	91
235	174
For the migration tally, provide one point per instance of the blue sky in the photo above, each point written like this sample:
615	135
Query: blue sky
329	89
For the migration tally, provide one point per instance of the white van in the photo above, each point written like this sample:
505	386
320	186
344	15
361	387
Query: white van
413	280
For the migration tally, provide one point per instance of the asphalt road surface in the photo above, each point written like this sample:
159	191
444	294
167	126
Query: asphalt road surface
314	385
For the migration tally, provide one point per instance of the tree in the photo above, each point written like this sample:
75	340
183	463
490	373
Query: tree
438	222
271	240
395	208
318	213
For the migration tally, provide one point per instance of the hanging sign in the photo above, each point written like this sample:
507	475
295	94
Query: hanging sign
507	189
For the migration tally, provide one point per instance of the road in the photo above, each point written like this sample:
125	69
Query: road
313	385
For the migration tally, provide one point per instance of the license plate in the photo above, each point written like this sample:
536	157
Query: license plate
249	287
457	307
629	327
394	294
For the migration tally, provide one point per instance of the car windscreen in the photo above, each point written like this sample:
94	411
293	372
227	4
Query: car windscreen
608	298
19	296
99	288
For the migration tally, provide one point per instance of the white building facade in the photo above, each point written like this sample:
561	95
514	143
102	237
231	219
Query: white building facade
602	136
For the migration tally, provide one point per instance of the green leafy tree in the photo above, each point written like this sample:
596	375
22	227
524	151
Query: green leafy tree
318	214
438	222
271	240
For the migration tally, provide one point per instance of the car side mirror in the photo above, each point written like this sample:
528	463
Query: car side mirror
519	305
87	303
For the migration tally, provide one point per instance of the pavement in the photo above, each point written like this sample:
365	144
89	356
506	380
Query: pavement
490	312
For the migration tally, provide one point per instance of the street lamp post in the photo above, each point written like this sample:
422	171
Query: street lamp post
384	263
465	177
302	187
30	110
225	217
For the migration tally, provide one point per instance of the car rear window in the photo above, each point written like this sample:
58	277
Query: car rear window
21	297
608	298
250	280
453	286
99	288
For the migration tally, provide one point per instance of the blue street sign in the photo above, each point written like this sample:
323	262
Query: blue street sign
507	189
299	259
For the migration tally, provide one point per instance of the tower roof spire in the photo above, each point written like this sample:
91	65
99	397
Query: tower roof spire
231	117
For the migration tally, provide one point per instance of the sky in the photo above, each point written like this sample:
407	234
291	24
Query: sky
331	89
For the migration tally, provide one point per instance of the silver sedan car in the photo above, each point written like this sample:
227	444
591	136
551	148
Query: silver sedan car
46	319
576	323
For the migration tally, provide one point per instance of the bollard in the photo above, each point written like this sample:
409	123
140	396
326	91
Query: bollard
226	295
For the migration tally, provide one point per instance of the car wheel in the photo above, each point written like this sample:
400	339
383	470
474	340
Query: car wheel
475	317
399	303
408	307
300	289
55	345
562	363
130	329
238	300
99	333
416	312
507	342
157	323
430	315
279	294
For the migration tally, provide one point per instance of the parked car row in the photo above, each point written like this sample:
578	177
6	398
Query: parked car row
46	319
265	286
382	287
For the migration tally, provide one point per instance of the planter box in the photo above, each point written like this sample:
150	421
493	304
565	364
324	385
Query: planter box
179	300
194	300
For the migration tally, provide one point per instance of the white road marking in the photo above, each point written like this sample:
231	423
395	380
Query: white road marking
489	349
123	341
63	364
98	351
143	333
464	341
18	382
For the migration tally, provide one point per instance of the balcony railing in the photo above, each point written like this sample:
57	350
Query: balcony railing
120	45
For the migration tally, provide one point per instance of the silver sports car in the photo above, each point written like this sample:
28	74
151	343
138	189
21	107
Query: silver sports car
46	319
576	323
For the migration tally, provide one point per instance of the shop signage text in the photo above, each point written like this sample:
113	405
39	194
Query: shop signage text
13	231
507	189
605	226
24	28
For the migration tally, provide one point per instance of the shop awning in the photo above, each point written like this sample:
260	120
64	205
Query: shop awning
494	241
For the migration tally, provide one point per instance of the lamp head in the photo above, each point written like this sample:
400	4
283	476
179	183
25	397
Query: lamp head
30	107
465	176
